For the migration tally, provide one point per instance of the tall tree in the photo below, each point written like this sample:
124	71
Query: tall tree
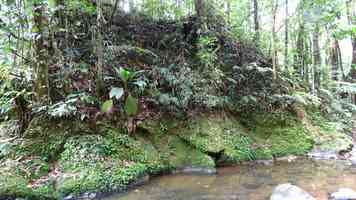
300	57
316	57
274	37
200	9
41	47
99	77
334	60
286	34
256	22
351	16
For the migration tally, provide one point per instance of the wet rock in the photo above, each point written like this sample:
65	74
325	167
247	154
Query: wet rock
264	162
70	197
290	192
323	155
198	170
353	160
343	194
287	158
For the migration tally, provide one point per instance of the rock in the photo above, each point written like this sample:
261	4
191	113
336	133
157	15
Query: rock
323	155
88	196
287	158
343	194
353	160
70	197
198	170
290	192
264	162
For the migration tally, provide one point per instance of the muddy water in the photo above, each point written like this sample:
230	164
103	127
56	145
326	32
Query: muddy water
248	182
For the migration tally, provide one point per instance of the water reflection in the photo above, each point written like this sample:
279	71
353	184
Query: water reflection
249	182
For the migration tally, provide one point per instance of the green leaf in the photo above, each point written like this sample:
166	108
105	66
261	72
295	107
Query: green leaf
131	106
116	92
123	74
107	106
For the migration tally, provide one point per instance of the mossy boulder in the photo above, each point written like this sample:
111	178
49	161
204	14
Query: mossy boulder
94	163
219	135
45	137
17	180
327	136
174	151
278	134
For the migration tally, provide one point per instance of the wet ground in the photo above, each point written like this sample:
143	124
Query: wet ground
249	182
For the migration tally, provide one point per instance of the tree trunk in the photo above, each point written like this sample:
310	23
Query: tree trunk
200	9
286	39
334	59
99	78
353	63
351	15
299	62
341	66
316	57
228	10
256	22
41	46
274	39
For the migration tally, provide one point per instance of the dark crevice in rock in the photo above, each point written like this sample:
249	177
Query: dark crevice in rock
218	157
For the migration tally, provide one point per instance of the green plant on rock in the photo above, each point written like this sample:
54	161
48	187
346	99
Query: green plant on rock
130	81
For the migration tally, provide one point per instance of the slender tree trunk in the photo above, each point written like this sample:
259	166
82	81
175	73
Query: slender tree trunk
299	62
256	22
340	61
334	59
274	38
228	10
200	9
41	47
316	57
132	6
99	78
286	34
351	15
353	63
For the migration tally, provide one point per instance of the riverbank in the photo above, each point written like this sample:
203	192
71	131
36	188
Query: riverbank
70	160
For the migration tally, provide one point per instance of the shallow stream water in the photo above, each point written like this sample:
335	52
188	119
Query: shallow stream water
248	182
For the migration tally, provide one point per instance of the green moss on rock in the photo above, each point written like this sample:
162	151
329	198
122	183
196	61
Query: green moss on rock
279	134
327	137
218	134
110	160
13	183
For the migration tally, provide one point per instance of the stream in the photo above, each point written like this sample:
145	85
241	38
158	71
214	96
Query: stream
249	182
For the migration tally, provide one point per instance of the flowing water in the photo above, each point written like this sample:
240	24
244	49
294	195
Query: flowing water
248	182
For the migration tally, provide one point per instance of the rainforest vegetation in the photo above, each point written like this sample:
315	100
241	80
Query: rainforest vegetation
96	95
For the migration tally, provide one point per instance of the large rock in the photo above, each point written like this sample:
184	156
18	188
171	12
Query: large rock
290	192
353	160
343	194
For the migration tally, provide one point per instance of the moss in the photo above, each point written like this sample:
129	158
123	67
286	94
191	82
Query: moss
183	155
325	133
112	160
45	137
279	134
174	153
13	184
218	134
96	163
